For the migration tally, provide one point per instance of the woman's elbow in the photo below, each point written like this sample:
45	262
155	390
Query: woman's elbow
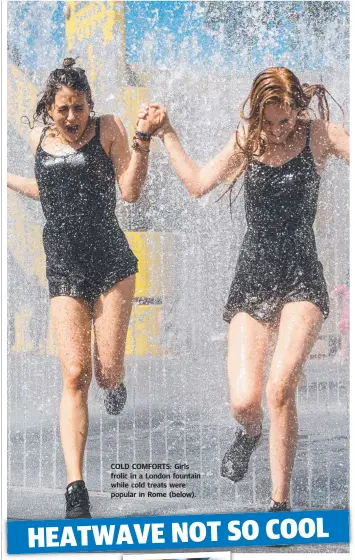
197	190
196	193
33	194
130	197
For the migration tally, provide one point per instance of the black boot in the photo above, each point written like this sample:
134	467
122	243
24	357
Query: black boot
115	400
77	500
236	460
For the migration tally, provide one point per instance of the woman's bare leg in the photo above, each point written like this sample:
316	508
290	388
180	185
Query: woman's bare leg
72	324
248	344
300	323
112	311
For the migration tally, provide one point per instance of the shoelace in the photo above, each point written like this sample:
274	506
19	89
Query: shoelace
76	497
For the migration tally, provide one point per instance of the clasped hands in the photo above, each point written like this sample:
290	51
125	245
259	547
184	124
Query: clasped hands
152	119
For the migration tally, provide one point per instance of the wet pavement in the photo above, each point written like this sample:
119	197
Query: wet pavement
169	419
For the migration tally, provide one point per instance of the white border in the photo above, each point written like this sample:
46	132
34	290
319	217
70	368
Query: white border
3	381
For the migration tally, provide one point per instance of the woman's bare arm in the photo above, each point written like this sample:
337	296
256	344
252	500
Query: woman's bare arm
131	168
199	180
338	142
330	140
130	175
25	185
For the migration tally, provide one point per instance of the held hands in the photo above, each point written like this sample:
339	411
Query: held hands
153	119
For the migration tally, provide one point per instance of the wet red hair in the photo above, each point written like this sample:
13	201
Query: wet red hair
274	85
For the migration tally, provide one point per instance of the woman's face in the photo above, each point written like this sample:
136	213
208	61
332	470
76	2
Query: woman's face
70	113
279	121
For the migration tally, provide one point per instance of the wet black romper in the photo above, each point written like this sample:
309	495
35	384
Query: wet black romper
278	261
86	250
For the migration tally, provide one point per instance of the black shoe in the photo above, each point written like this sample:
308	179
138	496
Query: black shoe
278	506
236	460
77	500
115	399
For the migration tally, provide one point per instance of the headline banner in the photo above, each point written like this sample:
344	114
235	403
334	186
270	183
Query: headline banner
178	532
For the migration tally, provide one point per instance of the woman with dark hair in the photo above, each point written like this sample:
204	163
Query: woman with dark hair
90	266
278	285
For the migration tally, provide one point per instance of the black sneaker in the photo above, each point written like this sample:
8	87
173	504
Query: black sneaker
278	506
115	399
236	460
77	500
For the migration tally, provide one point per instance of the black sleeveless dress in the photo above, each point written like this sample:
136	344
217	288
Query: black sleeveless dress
278	261
86	250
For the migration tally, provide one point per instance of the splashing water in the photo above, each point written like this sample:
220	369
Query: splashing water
198	59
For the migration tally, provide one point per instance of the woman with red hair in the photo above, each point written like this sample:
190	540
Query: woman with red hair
278	284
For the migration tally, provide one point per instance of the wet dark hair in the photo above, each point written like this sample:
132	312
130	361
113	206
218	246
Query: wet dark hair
68	76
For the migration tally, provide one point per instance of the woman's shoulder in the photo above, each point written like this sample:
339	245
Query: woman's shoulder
111	125
35	136
36	132
236	141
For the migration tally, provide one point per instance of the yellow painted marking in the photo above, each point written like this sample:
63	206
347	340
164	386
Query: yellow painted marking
147	248
87	19
144	331
133	97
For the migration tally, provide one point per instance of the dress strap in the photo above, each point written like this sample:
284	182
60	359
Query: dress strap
43	133
308	136
97	128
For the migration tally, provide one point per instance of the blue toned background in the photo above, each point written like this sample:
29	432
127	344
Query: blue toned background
244	33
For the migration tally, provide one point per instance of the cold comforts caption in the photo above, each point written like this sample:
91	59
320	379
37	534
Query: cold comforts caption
152	480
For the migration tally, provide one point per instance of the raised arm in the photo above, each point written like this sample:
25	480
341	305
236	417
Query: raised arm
339	142
333	140
25	185
131	168
199	180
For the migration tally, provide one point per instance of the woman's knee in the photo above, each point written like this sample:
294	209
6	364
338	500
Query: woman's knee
77	376
281	391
